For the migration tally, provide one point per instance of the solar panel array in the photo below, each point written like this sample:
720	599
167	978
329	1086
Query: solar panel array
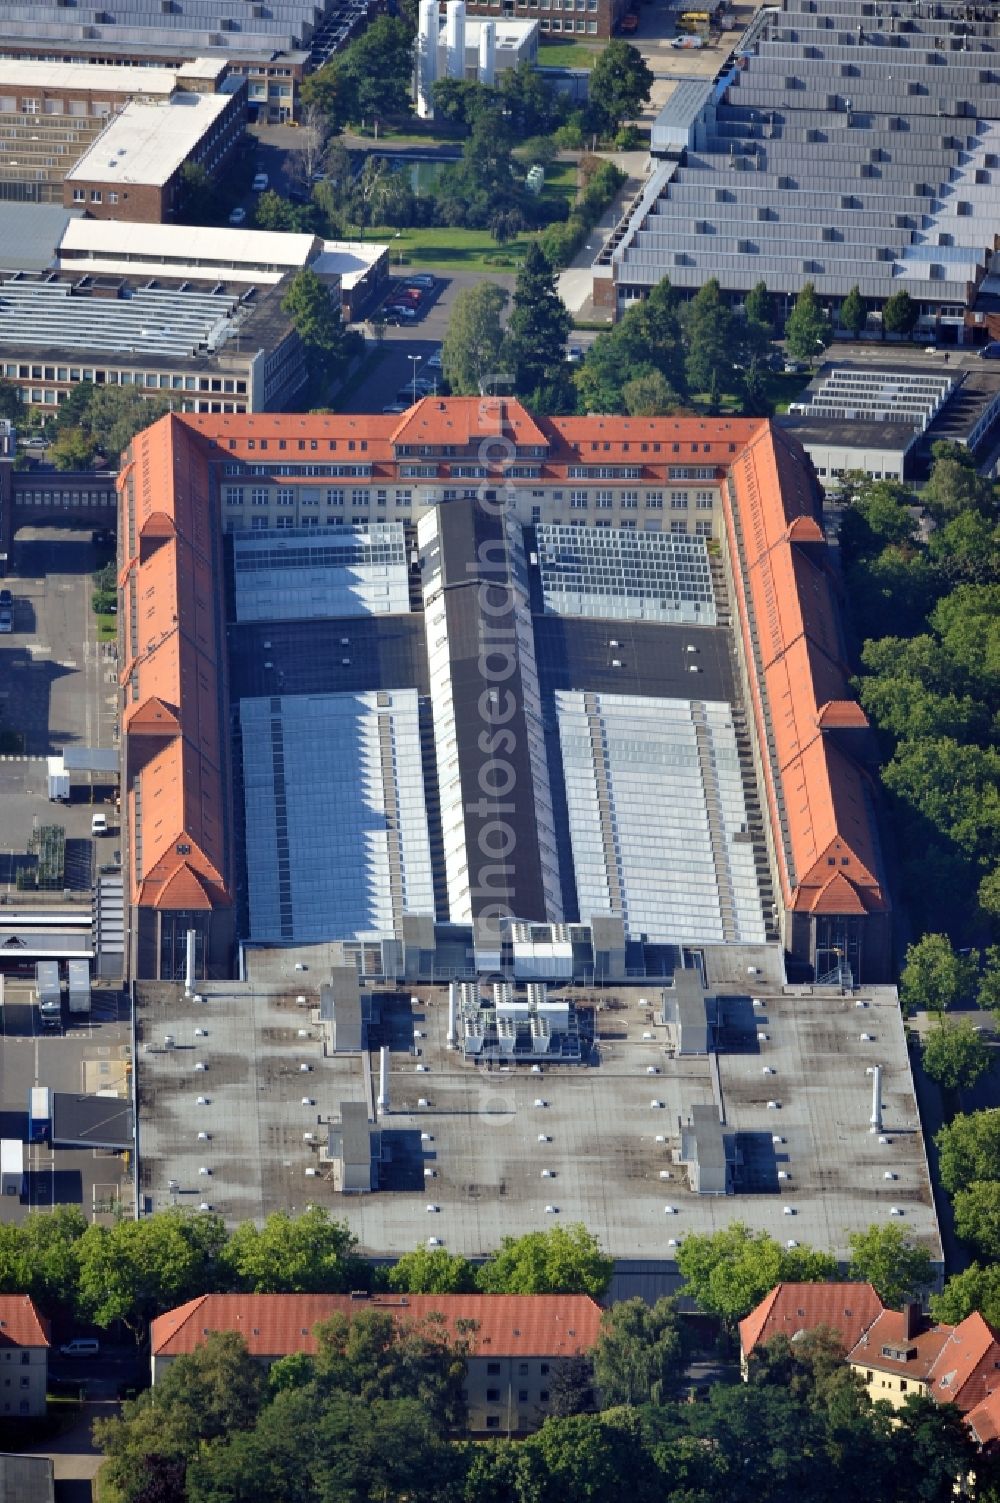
877	397
330	571
625	576
147	320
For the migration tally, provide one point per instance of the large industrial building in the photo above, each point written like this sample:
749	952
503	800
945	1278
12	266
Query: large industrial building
114	141
377	691
272	45
841	147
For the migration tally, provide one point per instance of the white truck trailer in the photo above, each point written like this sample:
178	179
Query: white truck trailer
79	985
11	1166
48	993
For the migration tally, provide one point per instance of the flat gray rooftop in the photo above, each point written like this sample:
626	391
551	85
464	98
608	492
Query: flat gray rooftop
486	1140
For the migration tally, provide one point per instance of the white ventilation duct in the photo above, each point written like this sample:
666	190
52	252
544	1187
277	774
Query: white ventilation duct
383	1079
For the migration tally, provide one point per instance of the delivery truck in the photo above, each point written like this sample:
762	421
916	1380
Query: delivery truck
48	993
39	1114
79	985
12	1181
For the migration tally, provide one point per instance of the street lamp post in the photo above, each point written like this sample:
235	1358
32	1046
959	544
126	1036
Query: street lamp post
414	361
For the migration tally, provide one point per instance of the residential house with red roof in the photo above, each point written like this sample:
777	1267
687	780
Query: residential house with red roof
903	1353
791	1310
24	1357
517	1342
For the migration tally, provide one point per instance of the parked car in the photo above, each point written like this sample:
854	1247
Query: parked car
98	824
399	313
990	351
422	279
396	407
6	600
6	620
434	361
260	183
793	367
574	354
81	1346
238	215
630	23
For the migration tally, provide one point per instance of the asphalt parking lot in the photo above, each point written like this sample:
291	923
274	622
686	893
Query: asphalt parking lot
88	1056
56	690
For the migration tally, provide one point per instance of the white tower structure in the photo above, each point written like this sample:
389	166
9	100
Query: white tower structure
455	38
487	53
427	58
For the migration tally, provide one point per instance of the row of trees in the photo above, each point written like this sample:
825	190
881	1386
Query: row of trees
969	1169
376	1414
131	1271
926	608
527	357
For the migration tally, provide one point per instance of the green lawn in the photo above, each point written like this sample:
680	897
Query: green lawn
107	628
451	249
567	55
445	248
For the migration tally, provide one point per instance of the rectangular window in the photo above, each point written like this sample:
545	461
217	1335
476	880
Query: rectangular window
654	501
493	1422
678	527
285	496
578	500
234	495
95	195
678	500
605	500
704	500
492	1395
630	499
335	497
703	529
493	1369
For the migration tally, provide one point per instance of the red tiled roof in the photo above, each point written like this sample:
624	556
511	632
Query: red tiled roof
984	1419
20	1322
816	793
967	1368
960	1364
848	1309
890	1330
273	1325
171	675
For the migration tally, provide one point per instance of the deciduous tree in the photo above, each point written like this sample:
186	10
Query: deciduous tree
853	312
564	1260
729	1272
969	1149
306	1254
432	1270
885	1257
899	313
708	335
976	1288
620	84
639	1356
471	356
955	1054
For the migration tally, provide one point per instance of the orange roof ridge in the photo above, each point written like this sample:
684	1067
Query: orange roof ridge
848	1308
153	717
20	1322
837	895
277	1324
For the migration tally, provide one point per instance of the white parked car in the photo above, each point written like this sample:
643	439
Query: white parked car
238	215
260	182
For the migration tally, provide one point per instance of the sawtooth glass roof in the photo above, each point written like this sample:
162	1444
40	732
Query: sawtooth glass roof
336	824
846	149
657	817
328	571
150	320
625	576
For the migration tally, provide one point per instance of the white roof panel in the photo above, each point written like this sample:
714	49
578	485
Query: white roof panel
114	238
144	144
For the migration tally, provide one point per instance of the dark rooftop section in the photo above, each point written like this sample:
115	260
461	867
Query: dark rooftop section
897	436
654	658
307	657
91	1121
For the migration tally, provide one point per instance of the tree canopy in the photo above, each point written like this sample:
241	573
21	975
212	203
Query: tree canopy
885	1257
306	1254
432	1270
639	1357
563	1260
969	1149
535	346
471	354
727	1273
955	1053
620	84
